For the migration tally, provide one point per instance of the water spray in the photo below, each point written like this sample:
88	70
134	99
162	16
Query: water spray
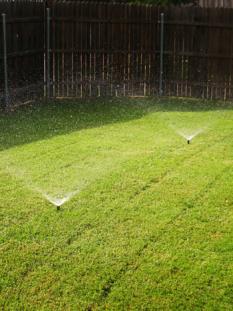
58	202
189	137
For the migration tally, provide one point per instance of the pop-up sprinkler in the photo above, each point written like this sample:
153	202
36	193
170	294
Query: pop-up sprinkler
59	201
189	137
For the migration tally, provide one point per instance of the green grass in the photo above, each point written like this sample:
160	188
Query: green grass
152	225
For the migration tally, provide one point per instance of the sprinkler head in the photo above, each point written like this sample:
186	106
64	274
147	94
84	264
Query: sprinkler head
188	141
58	207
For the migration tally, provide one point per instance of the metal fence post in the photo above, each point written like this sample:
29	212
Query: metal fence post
161	53
6	90
48	82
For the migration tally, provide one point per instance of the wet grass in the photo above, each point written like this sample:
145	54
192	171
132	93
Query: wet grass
152	225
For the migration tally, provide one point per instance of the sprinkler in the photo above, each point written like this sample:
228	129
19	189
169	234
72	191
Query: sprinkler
59	201
189	137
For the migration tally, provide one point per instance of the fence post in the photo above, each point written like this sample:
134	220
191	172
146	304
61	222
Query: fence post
48	82
6	90
161	53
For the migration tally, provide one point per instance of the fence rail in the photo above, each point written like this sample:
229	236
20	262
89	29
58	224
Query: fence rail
100	49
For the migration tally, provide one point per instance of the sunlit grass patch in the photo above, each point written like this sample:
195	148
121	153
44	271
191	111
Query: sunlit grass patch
149	221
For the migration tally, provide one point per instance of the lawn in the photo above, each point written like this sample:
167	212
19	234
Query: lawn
150	222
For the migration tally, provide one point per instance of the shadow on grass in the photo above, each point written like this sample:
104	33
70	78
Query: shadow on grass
42	121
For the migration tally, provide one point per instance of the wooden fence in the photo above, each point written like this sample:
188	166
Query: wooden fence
25	49
199	52
102	49
114	49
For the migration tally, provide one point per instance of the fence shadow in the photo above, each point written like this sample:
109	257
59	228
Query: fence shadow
43	121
